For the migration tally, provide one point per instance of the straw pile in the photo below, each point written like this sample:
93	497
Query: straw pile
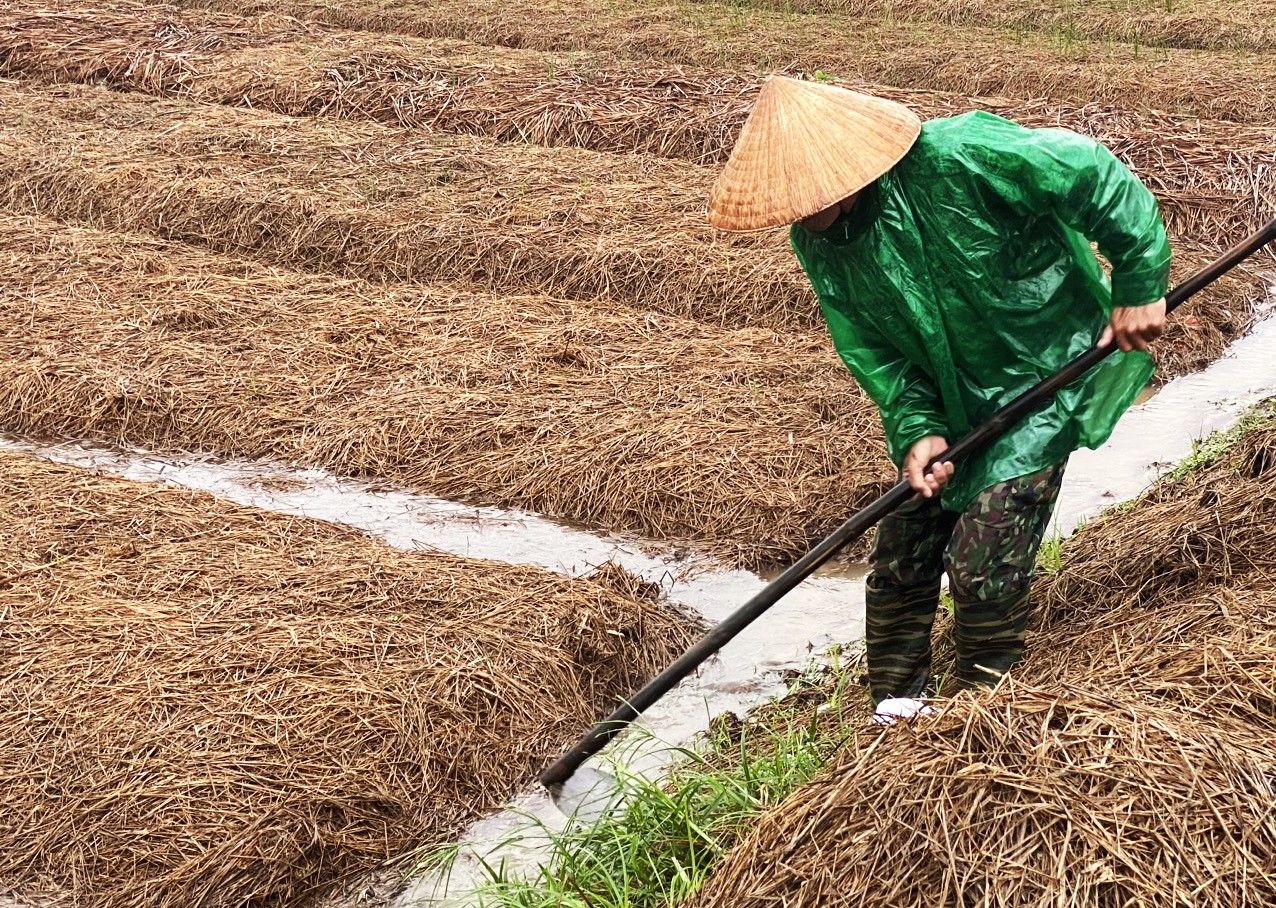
270	63
1175	598
1206	24
1033	799
1211	653
750	443
1128	762
907	54
349	198
211	705
385	204
1214	177
1187	539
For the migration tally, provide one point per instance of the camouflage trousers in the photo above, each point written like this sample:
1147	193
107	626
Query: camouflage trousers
989	551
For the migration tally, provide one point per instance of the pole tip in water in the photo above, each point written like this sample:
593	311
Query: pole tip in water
588	795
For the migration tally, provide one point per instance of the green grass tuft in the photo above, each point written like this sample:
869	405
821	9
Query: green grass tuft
670	835
1050	555
1209	450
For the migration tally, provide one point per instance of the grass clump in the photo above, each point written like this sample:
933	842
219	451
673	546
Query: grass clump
1208	450
1050	555
671	834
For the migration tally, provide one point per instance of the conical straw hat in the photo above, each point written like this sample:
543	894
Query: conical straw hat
805	146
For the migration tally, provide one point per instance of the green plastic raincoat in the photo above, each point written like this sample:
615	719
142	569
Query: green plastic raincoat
965	275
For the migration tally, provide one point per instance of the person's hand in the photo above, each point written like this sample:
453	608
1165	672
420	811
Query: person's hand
923	483
1134	327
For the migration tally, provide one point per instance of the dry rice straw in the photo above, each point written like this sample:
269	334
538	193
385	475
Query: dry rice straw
750	443
210	705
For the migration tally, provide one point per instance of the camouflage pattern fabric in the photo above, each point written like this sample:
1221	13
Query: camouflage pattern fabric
988	550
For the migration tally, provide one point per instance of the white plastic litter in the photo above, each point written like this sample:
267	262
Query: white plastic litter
892	709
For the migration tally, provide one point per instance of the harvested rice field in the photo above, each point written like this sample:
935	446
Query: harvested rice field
211	705
347	198
1209	24
458	248
1205	171
1026	63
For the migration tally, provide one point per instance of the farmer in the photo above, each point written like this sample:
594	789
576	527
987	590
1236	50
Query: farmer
953	266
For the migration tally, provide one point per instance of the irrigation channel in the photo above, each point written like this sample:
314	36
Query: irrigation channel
826	609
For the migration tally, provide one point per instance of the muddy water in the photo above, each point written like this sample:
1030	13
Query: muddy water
825	609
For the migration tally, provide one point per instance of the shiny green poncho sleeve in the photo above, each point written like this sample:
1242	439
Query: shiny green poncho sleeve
965	275
1054	173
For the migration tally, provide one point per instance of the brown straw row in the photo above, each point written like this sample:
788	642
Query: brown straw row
268	62
387	204
1213	654
1221	25
1215	177
749	443
1128	761
210	705
1034	798
956	58
1174	597
1182	540
384	204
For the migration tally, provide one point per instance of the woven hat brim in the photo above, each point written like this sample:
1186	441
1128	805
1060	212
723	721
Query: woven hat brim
805	147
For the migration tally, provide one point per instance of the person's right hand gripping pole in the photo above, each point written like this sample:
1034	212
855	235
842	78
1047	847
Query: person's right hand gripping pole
925	483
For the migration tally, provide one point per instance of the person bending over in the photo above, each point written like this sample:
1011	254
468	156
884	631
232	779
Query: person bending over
954	268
